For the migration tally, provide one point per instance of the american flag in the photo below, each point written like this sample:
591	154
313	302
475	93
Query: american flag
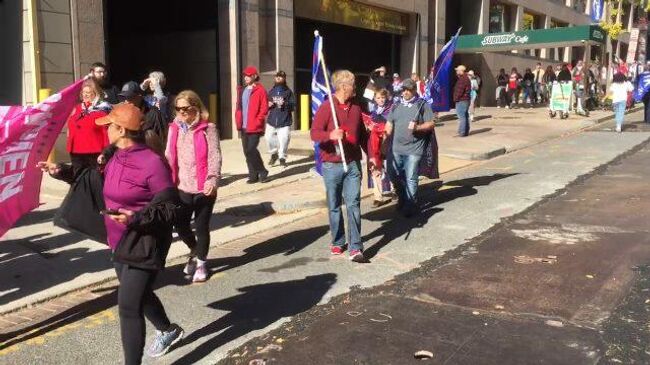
318	88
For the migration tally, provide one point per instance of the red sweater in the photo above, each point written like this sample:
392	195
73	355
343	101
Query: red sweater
462	89
258	108
84	136
349	117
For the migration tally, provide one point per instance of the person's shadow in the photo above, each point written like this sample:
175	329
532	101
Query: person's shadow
255	308
429	196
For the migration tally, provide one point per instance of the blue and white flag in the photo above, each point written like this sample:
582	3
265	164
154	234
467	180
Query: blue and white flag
438	89
642	86
597	7
318	89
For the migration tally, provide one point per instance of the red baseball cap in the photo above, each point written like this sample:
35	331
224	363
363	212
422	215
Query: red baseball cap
250	71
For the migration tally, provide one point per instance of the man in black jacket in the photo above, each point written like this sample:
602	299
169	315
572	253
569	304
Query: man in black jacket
278	122
99	73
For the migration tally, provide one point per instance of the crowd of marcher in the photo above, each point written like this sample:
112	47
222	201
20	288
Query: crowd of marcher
588	83
159	160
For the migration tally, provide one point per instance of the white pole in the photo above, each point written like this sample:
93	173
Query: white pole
277	37
329	94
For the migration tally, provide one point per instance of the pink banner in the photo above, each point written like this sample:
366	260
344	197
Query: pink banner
27	135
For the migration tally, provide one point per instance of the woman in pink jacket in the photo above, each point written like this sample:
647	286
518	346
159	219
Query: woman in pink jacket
194	156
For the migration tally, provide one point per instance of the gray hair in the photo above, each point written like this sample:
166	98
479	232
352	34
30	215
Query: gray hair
341	77
158	75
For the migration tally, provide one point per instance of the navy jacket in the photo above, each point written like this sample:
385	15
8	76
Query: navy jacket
280	116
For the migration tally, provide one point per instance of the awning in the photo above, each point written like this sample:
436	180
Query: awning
532	39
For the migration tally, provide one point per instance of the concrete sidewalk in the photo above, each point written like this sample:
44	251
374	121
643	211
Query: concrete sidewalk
46	261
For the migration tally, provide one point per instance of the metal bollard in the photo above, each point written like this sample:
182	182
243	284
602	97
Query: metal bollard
212	107
42	95
304	112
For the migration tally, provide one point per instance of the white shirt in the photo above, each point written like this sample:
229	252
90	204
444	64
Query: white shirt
619	91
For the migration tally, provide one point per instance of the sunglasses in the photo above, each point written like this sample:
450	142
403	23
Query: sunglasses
184	109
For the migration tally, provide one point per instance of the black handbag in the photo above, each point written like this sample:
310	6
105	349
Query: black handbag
80	209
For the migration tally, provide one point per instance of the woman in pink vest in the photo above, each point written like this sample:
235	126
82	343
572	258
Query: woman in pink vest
194	156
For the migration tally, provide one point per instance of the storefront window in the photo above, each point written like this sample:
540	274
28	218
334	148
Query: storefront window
499	17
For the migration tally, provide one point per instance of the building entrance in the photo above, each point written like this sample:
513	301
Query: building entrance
174	37
345	47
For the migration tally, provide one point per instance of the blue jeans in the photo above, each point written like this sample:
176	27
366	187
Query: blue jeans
344	186
403	172
462	110
619	113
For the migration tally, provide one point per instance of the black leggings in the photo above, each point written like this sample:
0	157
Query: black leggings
201	207
136	300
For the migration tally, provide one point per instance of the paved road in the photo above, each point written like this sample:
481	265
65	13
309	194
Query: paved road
264	280
564	282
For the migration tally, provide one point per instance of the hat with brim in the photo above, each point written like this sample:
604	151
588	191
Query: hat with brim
125	115
130	89
250	71
409	84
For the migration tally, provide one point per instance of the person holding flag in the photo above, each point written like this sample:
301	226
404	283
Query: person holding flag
641	92
338	123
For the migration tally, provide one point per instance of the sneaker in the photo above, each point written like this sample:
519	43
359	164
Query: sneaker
165	340
200	275
380	203
337	250
283	163
252	180
273	159
618	129
498	106
357	256
190	267
264	177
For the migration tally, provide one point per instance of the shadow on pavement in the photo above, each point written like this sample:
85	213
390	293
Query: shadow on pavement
479	131
286	244
255	308
429	196
25	272
35	217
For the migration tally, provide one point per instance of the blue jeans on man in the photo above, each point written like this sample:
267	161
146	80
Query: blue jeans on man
345	187
403	172
462	111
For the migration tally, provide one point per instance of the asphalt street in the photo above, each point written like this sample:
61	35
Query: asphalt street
265	280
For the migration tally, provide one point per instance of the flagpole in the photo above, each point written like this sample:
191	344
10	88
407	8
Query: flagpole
329	94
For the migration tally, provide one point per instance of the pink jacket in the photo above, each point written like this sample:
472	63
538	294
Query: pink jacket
201	169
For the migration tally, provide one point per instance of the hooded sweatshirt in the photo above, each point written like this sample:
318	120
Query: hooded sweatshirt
280	115
132	177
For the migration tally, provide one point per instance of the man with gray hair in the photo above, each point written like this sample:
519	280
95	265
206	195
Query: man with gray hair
341	184
157	98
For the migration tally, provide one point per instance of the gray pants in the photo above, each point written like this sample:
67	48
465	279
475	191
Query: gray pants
277	140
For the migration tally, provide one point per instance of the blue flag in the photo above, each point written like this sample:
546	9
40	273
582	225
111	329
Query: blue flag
642	86
597	7
318	89
438	88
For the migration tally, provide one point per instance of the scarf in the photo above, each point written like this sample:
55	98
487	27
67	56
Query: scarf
409	103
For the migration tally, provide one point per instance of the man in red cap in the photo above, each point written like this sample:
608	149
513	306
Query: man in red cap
252	107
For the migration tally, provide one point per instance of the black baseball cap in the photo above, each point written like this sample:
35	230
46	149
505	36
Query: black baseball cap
281	74
130	89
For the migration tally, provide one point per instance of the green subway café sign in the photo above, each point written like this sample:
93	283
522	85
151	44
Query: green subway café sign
528	39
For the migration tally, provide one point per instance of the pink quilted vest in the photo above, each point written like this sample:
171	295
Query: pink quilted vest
200	152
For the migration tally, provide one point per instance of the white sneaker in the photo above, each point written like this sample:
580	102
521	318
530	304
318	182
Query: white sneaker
498	106
201	274
618	129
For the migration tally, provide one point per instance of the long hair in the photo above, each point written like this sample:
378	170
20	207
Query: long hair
194	100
